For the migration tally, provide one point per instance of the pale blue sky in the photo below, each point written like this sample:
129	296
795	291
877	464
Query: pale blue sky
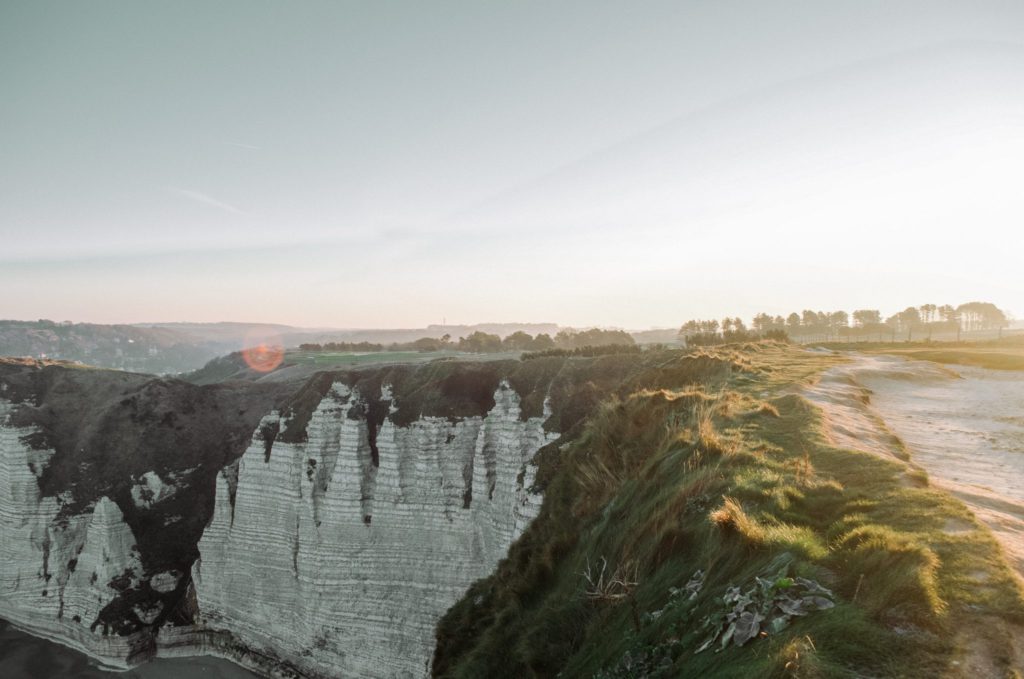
393	163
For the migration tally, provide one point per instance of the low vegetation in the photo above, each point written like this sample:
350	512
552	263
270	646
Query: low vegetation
485	343
707	508
999	354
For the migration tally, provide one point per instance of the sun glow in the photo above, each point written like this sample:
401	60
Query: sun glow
263	354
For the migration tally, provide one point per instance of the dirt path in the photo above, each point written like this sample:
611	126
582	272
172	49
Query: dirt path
965	427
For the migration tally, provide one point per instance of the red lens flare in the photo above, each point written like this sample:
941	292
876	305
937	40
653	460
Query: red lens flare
263	354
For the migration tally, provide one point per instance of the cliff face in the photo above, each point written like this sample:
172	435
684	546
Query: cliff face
106	484
338	555
60	572
318	528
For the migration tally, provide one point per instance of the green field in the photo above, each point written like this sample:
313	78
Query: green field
1001	354
328	359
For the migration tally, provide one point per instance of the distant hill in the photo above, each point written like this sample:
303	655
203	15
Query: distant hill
228	333
657	336
126	347
171	348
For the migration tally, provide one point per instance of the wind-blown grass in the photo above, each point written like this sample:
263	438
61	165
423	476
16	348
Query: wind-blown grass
725	476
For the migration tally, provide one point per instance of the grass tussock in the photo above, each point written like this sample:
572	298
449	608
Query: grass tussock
801	540
895	571
724	477
798	659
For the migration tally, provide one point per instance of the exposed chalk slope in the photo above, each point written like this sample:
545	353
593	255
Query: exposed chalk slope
338	555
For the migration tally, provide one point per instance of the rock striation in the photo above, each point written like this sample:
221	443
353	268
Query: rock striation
106	483
337	555
60	571
313	527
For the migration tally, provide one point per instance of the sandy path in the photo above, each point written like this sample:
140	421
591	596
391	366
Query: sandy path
965	427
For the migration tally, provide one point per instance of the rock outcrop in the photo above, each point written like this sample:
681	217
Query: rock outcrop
338	555
106	484
60	571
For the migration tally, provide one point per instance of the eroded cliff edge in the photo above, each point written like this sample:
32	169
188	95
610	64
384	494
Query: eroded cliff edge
343	515
106	484
351	545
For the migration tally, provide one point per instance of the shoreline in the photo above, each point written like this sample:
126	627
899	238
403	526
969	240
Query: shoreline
184	644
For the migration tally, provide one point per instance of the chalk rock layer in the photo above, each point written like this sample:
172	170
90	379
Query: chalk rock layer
61	570
336	556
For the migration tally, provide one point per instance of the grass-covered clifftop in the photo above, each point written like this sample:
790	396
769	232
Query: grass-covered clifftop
671	495
997	354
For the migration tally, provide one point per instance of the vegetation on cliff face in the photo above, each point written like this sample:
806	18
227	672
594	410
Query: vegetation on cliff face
109	428
571	386
731	478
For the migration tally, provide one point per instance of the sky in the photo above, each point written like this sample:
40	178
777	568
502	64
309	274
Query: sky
395	164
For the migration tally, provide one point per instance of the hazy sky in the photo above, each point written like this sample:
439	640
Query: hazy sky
616	163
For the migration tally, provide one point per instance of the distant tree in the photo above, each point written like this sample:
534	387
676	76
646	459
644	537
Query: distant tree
595	337
894	324
928	312
542	342
793	323
704	333
564	339
365	347
762	323
518	341
838	323
909	319
866	317
982	316
734	330
480	343
426	344
689	329
867	322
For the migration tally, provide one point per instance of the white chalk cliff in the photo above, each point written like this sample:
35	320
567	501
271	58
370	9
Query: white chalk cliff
330	553
338	559
59	572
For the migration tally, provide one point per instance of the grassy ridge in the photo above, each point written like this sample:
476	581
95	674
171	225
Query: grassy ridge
733	476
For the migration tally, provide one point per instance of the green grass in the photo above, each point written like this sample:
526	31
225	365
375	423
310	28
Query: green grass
1000	354
972	356
343	359
726	476
327	359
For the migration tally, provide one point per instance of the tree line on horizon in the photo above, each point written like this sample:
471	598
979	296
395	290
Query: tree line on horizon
816	326
486	343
